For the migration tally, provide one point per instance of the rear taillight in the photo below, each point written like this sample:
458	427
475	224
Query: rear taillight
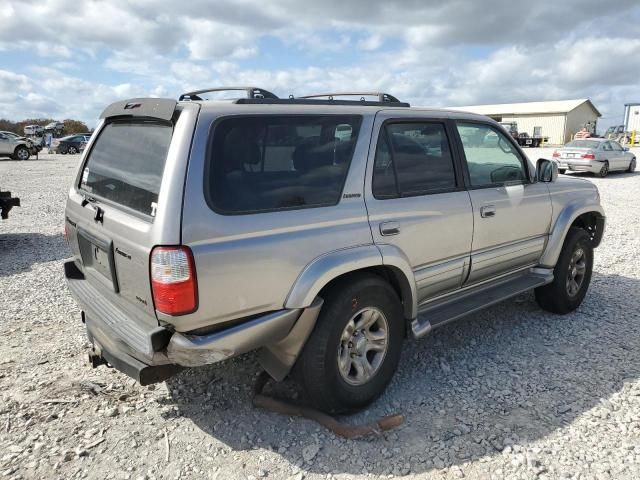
173	280
556	154
589	156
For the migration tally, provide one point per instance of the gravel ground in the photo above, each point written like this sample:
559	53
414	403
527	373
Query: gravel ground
513	392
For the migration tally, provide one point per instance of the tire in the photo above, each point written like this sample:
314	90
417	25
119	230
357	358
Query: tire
562	171
356	298
632	166
561	296
604	171
21	153
72	150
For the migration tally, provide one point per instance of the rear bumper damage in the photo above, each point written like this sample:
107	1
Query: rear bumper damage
151	354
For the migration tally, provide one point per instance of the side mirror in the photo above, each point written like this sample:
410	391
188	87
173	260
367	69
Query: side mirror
626	149
546	170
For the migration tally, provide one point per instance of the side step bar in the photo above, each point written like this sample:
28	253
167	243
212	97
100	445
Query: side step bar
460	304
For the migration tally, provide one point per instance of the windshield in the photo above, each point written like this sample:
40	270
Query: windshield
126	163
583	144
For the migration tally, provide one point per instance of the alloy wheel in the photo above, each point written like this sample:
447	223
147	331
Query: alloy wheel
576	273
363	346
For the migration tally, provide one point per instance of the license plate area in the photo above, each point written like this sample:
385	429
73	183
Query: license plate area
97	258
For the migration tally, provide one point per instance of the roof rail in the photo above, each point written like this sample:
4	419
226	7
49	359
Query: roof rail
382	97
252	92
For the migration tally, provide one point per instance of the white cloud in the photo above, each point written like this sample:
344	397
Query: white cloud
425	51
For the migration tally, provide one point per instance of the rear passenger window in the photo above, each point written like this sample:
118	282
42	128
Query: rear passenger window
412	159
274	162
491	158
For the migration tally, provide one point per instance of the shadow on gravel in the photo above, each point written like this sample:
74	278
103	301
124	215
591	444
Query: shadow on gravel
509	375
20	251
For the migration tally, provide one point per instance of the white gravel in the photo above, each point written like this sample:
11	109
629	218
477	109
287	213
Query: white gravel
511	393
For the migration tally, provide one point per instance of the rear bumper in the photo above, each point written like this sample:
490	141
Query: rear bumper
151	354
592	166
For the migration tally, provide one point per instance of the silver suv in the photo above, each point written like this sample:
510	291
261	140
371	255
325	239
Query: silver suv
319	231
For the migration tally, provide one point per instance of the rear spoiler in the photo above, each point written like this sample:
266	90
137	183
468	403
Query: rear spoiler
161	108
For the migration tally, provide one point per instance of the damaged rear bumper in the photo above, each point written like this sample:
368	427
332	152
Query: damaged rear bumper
152	354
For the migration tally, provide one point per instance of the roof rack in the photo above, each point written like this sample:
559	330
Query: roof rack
314	101
252	92
382	97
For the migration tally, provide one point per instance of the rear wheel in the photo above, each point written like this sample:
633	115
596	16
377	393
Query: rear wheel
632	166
571	275
21	153
72	150
355	347
604	171
562	171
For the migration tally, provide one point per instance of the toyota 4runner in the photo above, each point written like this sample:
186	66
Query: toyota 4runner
319	231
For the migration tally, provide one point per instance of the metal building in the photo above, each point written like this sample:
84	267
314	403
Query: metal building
632	117
557	120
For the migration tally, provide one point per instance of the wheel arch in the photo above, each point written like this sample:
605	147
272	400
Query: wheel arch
590	218
325	271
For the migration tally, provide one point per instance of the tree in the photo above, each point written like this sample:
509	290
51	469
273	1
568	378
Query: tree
74	126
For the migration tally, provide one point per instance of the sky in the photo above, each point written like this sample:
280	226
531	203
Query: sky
69	58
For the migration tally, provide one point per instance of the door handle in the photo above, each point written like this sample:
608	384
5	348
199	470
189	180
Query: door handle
488	211
389	228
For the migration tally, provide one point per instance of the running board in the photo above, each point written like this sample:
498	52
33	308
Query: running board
460	304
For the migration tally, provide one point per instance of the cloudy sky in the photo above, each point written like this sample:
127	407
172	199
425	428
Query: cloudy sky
69	58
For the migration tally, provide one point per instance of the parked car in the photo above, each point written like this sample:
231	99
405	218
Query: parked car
33	130
596	155
201	230
71	144
14	146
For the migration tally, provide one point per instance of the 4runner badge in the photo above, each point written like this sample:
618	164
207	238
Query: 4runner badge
351	195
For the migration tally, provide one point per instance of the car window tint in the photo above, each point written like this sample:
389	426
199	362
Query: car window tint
277	162
491	158
412	159
616	146
127	162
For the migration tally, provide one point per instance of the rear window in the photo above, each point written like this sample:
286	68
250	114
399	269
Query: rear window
582	144
126	164
275	162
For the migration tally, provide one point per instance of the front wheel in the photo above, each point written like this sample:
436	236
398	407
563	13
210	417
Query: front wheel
72	150
21	153
562	171
571	275
604	171
632	166
355	346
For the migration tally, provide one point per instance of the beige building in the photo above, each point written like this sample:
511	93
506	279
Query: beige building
558	120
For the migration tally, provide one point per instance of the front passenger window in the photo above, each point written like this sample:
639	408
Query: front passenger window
491	158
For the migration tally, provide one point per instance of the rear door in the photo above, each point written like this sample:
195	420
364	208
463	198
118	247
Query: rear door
511	214
125	200
416	200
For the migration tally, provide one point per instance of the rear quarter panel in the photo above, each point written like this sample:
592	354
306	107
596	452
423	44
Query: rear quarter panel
247	264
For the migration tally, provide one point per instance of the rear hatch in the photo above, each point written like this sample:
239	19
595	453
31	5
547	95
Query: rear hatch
127	198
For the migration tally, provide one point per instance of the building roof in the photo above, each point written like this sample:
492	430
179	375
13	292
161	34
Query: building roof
528	108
